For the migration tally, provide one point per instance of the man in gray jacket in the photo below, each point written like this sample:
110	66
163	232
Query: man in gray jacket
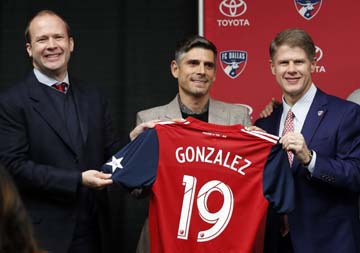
194	66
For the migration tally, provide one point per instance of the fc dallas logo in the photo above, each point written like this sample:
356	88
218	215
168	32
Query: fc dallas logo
308	8
233	62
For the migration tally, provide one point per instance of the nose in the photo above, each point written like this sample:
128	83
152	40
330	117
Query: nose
291	67
51	43
201	68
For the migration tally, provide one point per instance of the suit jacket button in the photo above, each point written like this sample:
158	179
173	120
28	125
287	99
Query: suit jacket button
76	160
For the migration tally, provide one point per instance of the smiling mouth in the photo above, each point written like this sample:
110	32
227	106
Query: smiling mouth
199	81
292	79
52	56
199	84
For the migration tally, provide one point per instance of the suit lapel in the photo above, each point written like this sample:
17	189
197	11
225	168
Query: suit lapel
172	110
43	105
217	114
313	119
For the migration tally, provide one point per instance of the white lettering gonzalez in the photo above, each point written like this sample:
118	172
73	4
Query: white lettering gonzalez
212	155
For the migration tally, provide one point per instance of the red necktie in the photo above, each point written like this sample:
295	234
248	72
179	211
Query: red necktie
289	127
60	87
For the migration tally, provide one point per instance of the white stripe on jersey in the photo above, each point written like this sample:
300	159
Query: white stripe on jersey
263	135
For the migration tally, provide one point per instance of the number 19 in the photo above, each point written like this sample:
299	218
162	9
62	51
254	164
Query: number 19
220	219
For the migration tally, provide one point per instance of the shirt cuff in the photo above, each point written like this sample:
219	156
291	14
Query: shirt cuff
311	166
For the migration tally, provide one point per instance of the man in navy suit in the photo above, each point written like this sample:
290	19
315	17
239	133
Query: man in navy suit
325	144
54	141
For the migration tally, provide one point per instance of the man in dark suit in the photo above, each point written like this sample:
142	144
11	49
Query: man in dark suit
324	147
54	141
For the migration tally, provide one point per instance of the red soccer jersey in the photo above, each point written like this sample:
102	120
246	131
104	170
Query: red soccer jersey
208	193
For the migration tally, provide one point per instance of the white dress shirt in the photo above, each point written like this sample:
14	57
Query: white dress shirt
300	110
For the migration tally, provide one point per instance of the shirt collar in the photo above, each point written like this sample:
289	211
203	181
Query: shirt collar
300	108
44	79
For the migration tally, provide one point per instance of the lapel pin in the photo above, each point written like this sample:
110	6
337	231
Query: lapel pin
320	113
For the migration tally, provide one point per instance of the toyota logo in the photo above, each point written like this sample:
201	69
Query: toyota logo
232	8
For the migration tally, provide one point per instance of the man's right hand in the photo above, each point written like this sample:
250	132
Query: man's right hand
142	127
96	179
269	108
146	125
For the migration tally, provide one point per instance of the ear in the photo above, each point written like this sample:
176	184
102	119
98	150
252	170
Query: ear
313	65
272	67
71	41
28	49
174	69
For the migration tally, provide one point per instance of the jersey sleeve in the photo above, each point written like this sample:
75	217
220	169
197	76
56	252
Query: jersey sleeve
278	181
135	165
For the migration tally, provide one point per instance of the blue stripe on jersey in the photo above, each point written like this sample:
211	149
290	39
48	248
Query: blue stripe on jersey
278	181
139	161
